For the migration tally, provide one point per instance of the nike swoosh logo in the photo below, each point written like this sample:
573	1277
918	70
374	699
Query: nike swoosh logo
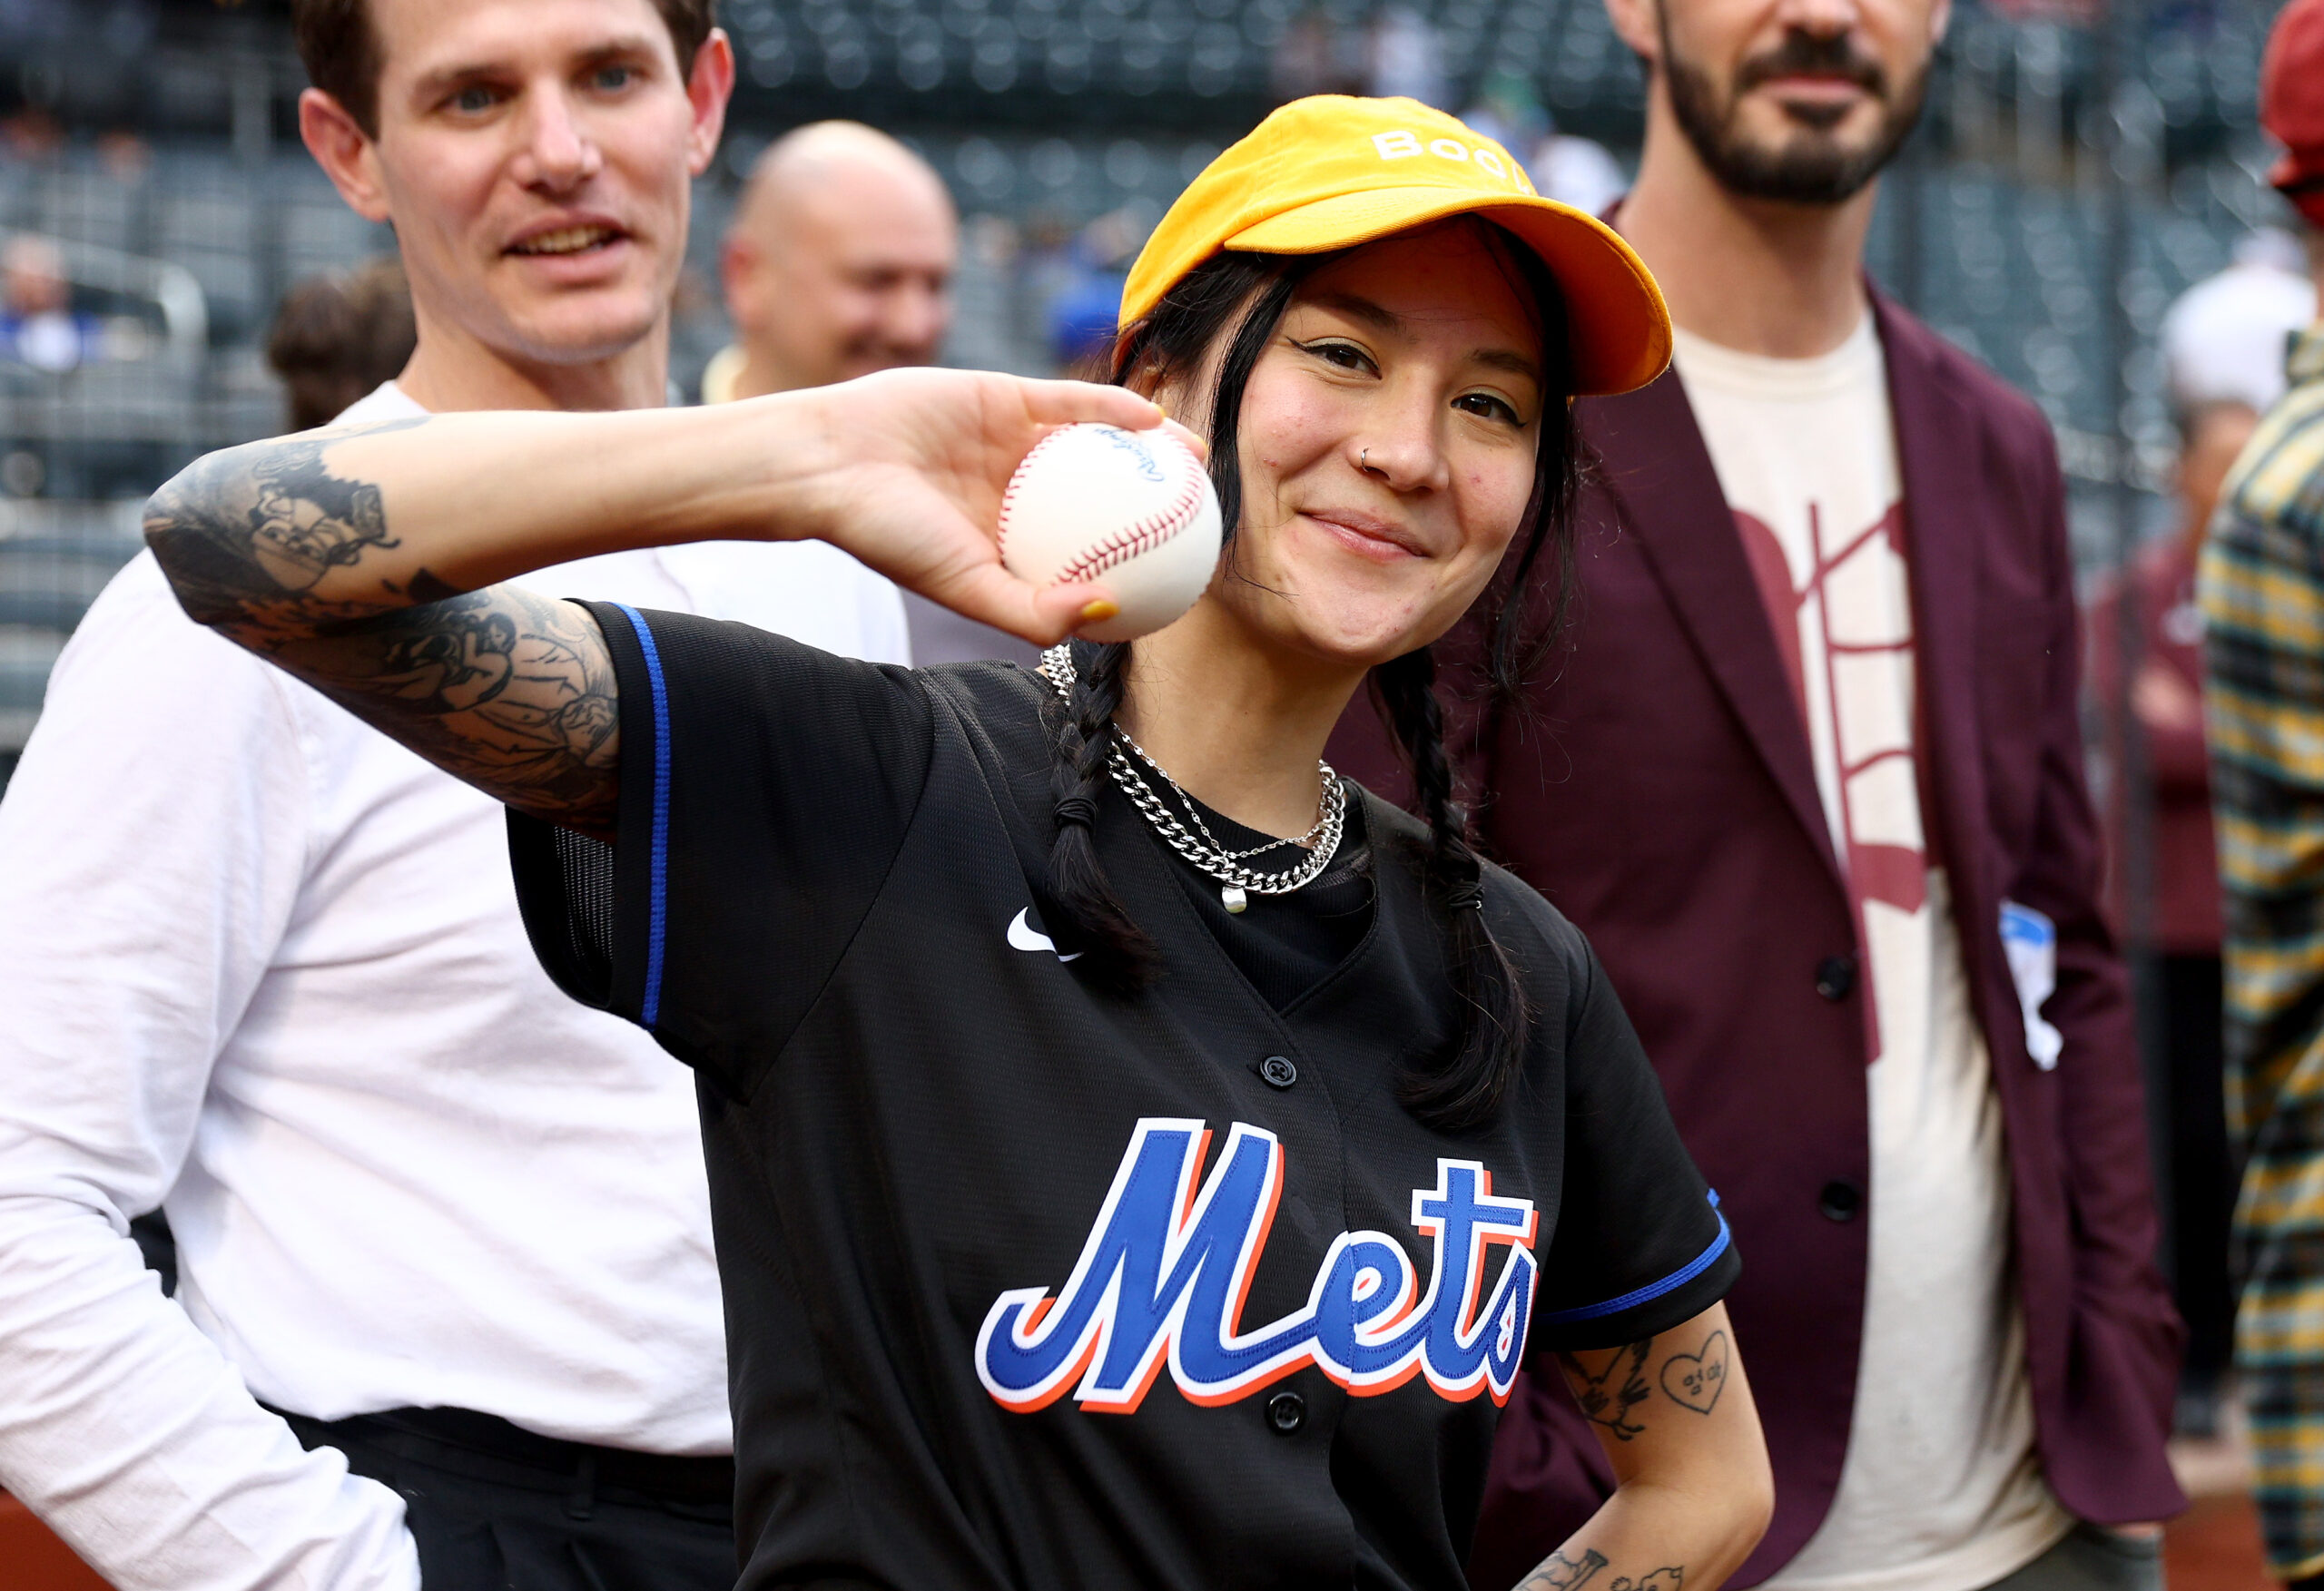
1024	936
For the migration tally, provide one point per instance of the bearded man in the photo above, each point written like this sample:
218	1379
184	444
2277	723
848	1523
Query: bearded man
1807	772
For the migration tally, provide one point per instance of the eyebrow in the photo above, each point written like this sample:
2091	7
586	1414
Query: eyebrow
628	45
1358	308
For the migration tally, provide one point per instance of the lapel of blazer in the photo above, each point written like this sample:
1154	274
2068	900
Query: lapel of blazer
1653	461
1938	458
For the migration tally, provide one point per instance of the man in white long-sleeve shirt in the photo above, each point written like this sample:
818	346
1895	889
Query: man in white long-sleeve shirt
263	968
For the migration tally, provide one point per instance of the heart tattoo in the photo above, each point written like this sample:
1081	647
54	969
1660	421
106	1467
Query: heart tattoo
1694	1380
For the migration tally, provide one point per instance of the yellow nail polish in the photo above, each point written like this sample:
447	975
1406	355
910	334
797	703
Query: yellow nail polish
1099	611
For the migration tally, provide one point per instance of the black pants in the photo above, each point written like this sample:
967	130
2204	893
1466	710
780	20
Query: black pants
2203	1172
497	1508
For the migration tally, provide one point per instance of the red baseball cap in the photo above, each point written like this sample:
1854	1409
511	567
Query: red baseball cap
2292	104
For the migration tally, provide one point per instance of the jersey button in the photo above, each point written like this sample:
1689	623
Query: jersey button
1278	1071
1286	1412
1840	1200
1835	978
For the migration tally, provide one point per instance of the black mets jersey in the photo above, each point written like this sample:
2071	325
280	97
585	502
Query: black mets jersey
1032	1286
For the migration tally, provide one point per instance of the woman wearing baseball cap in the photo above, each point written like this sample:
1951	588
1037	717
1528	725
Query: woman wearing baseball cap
1137	1157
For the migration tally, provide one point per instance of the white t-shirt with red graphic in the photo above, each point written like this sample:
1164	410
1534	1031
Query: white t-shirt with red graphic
1942	1490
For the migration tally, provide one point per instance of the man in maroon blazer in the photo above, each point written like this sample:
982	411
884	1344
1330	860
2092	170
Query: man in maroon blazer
1806	770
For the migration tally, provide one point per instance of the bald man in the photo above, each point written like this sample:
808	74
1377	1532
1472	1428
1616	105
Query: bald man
839	263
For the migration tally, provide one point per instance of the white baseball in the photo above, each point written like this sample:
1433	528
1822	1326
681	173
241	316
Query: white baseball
1131	509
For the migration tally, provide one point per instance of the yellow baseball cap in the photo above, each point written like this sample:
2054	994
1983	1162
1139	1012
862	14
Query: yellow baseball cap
1331	171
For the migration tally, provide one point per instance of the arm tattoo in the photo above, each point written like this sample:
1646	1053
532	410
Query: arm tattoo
1694	1380
1561	1572
1609	1393
247	535
511	692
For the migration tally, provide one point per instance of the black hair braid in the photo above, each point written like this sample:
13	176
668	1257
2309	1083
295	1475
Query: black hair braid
1465	1089
1081	909
1235	302
1115	952
1467	1086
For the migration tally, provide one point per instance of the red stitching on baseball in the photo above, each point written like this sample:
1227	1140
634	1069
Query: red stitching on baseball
1142	536
1008	495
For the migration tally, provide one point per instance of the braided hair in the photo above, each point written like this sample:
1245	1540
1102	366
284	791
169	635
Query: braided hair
1463	1086
1116	953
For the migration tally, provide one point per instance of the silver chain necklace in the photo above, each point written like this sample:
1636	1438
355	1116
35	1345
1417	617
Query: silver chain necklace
1237	883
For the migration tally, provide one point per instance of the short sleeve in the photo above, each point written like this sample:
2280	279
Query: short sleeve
1640	1246
765	790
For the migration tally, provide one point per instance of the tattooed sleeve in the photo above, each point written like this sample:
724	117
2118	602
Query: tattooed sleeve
511	692
1559	1572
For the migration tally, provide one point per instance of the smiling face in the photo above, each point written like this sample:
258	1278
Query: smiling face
841	260
1801	101
536	160
1388	437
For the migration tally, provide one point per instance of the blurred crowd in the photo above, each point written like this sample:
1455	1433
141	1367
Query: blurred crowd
2224	344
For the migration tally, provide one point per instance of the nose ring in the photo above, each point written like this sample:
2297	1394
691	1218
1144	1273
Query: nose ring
1363	459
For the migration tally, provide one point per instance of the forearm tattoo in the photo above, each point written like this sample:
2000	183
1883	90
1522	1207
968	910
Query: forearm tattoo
1559	1572
248	533
1670	1578
511	692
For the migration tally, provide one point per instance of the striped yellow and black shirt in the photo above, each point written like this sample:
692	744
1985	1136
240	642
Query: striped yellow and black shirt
2262	594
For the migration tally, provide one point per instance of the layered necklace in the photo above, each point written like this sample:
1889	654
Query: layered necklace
1237	883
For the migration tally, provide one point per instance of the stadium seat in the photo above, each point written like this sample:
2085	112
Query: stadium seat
2009	263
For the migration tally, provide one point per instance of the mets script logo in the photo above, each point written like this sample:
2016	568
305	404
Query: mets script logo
1169	1264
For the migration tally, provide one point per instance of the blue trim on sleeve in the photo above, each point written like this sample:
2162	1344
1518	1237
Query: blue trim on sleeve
1652	1289
657	889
